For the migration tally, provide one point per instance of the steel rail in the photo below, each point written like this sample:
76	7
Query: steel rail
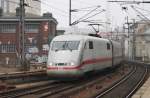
116	84
138	85
22	91
56	91
113	89
5	76
85	84
42	89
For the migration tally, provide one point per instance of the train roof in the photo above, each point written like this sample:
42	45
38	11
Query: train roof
70	37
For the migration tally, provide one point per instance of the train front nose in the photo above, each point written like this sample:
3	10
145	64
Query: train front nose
64	70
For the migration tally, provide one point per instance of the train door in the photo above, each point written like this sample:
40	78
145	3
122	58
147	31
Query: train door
112	52
88	55
91	51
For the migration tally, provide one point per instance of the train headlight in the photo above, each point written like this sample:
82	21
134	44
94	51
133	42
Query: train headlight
72	64
50	64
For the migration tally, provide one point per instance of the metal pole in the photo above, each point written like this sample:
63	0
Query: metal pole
70	13
133	39
128	39
22	31
128	26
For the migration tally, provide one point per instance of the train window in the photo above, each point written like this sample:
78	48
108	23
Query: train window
108	46
85	46
90	45
65	45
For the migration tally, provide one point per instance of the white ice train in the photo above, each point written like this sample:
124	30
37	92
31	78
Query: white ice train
76	55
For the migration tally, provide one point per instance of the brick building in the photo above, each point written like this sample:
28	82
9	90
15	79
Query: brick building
38	32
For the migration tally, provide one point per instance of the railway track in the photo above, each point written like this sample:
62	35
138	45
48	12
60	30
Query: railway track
40	91
30	89
58	89
46	90
6	76
9	80
97	83
126	86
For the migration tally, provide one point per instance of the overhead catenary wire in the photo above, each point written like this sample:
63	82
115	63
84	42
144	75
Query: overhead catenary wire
96	21
59	11
140	13
81	18
88	13
141	16
143	9
129	14
85	8
47	4
62	11
129	2
94	15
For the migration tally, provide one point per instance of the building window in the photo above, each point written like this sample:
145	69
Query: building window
31	28
27	47
7	28
7	48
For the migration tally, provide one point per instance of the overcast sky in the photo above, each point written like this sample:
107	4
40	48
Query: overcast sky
113	13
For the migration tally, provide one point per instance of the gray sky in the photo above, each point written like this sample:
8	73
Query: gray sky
114	13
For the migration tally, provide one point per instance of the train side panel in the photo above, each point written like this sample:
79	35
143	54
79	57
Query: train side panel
87	56
98	53
103	54
117	53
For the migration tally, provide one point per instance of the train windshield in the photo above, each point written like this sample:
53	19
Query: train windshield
65	45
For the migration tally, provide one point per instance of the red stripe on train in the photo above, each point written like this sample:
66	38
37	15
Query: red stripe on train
91	61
